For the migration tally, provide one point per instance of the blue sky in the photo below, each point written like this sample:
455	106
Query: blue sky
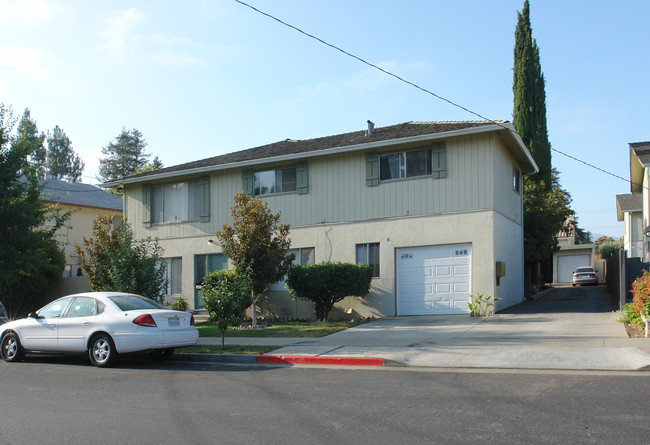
201	78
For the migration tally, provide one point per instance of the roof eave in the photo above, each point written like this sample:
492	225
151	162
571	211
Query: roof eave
532	167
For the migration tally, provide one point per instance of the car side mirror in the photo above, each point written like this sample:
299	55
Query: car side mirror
33	315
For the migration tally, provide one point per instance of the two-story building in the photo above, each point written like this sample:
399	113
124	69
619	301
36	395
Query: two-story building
634	208
434	207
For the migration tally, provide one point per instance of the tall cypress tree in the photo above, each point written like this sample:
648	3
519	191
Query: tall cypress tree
529	114
546	204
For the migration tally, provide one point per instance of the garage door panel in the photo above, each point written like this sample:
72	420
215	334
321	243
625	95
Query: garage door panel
443	271
566	264
433	280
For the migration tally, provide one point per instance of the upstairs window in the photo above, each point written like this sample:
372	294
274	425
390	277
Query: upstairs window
430	162
516	179
402	165
282	180
178	201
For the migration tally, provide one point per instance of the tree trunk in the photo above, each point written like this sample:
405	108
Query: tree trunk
223	340
254	310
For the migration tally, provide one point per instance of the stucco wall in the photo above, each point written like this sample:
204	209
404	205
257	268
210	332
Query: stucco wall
336	242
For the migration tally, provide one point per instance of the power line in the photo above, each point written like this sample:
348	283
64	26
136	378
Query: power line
437	96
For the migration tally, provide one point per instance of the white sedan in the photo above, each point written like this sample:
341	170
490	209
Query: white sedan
102	324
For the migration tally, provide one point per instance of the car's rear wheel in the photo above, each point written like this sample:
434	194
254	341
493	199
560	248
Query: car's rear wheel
102	351
12	350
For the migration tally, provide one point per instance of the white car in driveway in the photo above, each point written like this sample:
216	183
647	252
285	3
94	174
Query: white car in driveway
585	275
102	324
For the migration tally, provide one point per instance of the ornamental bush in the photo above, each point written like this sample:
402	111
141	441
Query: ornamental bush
226	294
328	283
641	292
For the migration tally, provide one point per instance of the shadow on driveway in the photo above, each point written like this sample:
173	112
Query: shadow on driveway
568	299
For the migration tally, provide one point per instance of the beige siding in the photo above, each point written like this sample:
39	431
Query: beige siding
507	201
338	192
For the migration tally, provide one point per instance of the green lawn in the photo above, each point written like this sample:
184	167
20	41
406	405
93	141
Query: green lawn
230	349
288	329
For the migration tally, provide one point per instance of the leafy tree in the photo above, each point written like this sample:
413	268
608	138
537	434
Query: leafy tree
257	244
327	283
124	156
608	248
226	294
62	162
30	259
545	212
114	261
603	239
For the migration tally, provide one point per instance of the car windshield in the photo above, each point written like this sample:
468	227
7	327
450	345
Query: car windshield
133	302
584	269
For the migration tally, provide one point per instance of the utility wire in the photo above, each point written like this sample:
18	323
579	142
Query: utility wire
437	96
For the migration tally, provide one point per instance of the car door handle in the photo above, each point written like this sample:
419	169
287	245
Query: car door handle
51	325
87	323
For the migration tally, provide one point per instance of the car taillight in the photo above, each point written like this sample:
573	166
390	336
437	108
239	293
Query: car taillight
192	321
145	320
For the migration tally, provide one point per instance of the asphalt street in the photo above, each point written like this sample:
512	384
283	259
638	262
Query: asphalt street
67	401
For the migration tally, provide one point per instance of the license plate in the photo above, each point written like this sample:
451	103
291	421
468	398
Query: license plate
174	322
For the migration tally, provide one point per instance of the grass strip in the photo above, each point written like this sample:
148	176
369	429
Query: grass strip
230	349
284	329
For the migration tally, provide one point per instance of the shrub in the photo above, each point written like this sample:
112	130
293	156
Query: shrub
180	304
226	294
641	292
328	283
608	248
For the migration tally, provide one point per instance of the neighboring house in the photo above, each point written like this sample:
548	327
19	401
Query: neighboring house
629	209
85	202
570	256
635	214
434	207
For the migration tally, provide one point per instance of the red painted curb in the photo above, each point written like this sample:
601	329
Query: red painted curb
320	360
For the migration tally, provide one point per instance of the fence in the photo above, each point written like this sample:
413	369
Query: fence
621	273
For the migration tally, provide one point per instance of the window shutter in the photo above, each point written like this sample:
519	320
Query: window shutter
439	161
302	178
146	204
204	198
247	182
372	169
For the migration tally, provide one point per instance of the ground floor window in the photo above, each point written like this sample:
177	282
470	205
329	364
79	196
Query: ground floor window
174	275
368	253
304	256
205	265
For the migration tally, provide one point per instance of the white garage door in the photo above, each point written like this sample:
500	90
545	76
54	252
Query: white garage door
434	280
566	264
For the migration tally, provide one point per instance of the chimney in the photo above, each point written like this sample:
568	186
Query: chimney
371	128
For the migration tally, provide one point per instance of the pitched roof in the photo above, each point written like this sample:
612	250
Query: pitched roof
79	194
642	151
296	148
632	202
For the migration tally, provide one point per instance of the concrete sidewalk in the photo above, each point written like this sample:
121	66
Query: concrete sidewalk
530	336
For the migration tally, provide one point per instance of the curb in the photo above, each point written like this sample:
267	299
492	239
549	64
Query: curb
320	360
282	359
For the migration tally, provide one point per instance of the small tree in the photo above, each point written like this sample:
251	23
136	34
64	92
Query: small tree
257	244
328	283
114	261
608	248
226	294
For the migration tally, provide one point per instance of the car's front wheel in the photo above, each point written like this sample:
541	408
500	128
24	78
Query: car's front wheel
12	350
102	351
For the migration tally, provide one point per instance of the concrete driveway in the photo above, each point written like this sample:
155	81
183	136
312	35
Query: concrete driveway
566	328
